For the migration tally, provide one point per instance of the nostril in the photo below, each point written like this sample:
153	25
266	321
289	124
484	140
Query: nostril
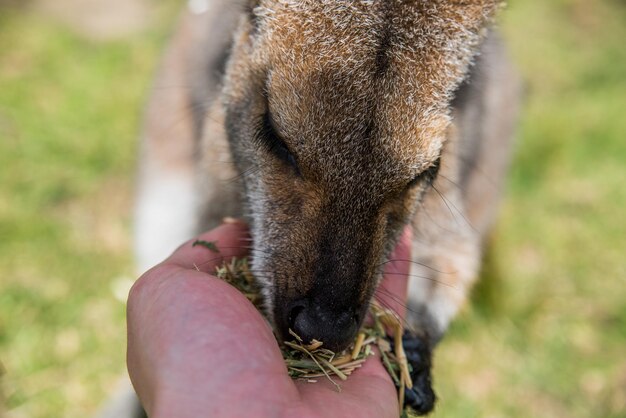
310	320
295	311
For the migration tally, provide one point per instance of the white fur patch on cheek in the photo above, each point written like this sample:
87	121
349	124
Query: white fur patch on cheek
442	287
165	216
265	279
437	302
260	253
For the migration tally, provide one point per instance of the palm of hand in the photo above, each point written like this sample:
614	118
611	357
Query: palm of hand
197	347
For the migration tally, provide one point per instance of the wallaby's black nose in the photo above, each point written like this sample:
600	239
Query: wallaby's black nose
334	327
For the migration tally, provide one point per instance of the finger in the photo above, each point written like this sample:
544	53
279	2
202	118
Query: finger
210	249
392	292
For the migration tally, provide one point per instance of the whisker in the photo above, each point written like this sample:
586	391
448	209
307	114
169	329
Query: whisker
417	276
424	211
445	201
452	182
414	262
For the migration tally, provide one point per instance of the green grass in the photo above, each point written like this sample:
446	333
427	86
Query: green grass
552	339
69	113
546	336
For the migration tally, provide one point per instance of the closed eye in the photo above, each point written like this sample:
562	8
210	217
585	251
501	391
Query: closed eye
269	138
426	177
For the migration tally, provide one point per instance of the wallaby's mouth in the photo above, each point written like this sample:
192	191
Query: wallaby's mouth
313	318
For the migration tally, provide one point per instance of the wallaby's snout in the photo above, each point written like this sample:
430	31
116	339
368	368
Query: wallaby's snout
320	287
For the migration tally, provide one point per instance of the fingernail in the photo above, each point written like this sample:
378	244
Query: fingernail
232	221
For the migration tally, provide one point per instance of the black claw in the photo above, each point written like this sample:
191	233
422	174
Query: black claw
411	342
421	397
411	398
416	359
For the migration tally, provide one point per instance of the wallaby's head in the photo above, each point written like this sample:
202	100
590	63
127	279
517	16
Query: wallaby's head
337	113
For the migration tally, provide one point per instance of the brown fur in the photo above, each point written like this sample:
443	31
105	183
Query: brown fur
367	96
359	92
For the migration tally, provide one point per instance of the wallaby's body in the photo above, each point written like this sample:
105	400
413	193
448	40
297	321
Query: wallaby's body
330	125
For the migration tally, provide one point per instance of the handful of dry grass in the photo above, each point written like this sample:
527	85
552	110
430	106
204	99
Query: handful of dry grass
310	361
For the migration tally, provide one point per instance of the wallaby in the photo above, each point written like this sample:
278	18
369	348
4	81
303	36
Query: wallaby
329	125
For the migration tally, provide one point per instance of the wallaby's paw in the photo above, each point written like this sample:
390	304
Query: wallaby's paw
419	355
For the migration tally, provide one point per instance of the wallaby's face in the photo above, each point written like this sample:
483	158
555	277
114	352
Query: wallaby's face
337	128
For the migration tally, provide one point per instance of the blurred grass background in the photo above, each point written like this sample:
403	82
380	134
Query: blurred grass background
546	335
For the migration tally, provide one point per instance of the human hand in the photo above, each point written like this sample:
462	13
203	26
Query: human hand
198	348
